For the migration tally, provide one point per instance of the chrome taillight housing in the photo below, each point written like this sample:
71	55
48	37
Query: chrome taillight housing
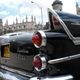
39	39
39	62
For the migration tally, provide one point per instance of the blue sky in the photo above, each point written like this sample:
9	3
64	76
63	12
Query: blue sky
78	2
10	9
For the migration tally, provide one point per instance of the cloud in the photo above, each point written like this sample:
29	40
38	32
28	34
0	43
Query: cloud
21	8
24	10
69	6
6	2
4	13
29	11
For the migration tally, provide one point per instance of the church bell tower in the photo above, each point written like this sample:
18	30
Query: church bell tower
57	5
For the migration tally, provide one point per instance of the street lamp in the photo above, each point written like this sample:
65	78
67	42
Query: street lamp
41	11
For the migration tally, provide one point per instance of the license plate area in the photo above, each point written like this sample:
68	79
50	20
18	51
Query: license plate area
5	50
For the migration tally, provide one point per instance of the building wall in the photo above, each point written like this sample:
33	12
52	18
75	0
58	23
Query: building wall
57	7
1	26
23	26
78	10
20	26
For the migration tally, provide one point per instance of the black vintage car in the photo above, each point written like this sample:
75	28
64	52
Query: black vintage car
59	48
56	50
16	55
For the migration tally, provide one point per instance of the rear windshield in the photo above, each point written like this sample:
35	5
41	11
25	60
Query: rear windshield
72	22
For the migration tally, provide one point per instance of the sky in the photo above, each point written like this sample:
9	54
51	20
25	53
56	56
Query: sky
10	9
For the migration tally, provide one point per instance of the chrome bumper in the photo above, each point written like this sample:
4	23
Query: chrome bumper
64	77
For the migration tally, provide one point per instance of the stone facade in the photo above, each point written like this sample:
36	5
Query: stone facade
1	26
77	9
22	26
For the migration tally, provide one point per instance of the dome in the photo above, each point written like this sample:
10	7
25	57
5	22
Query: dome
57	2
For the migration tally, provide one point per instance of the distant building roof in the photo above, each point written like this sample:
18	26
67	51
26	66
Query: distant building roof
57	2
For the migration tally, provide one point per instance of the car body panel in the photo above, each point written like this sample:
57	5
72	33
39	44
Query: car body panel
62	49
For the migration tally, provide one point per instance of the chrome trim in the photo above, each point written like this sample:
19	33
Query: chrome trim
7	76
75	23
59	60
44	63
64	77
76	40
3	44
43	38
23	73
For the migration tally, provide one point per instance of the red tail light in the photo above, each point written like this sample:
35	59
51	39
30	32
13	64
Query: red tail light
39	39
39	63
